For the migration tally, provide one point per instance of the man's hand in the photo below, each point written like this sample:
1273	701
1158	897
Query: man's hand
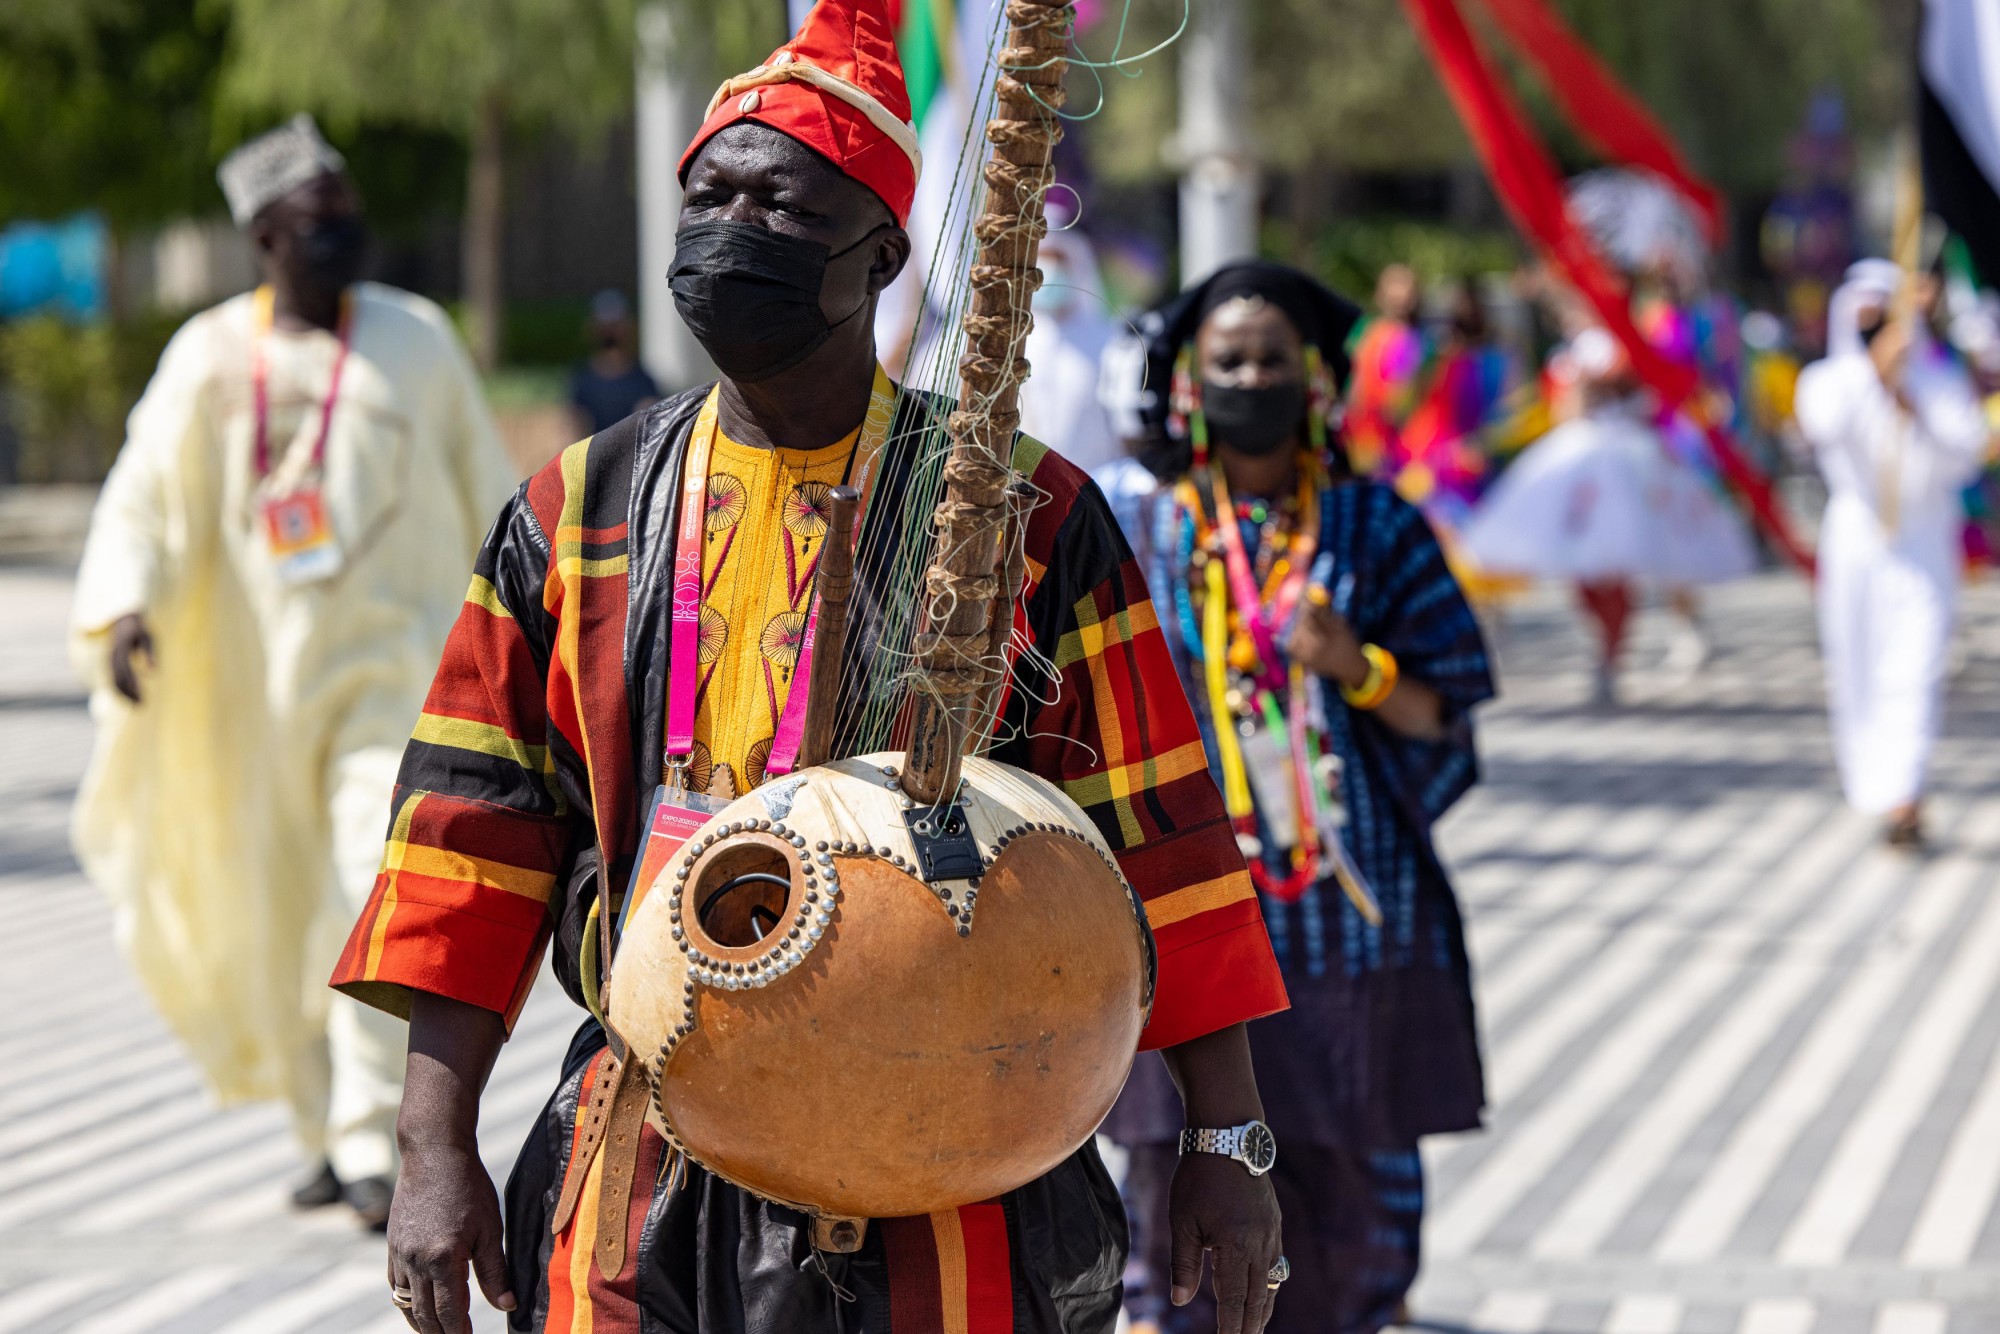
446	1214
1216	1208
1324	644
129	639
1891	352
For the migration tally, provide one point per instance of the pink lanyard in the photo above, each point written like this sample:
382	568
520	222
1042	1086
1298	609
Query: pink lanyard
260	382
684	686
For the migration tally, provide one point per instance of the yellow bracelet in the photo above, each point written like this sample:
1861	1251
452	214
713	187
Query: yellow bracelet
1383	674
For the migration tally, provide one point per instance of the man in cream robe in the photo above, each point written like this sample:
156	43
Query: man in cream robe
234	806
1899	432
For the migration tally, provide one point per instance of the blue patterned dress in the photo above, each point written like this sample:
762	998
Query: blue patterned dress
1380	1046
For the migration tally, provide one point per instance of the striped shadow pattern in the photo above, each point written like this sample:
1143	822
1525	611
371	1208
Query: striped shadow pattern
1743	1062
1742	1059
128	1204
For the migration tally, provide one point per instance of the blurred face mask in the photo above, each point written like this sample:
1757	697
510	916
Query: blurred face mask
1255	422
751	295
1057	295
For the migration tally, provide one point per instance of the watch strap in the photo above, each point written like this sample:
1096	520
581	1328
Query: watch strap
1227	1141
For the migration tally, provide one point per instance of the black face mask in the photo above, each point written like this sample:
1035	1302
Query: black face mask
751	296
333	250
1255	422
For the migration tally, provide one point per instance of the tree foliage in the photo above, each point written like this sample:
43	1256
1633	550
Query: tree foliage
1344	83
1732	78
434	64
105	104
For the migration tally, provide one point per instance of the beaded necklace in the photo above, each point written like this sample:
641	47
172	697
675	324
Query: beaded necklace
1250	682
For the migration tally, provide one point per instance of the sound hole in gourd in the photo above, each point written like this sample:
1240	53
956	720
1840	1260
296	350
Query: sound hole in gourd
741	895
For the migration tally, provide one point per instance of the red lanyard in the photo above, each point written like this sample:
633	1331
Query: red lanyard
260	382
1259	618
683	687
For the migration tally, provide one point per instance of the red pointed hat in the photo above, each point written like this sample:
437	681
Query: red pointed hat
838	89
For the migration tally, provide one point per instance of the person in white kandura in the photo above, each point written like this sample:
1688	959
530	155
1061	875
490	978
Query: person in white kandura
1073	327
1898	431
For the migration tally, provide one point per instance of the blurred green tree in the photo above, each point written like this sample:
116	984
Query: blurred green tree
1732	78
105	105
1343	84
111	106
485	71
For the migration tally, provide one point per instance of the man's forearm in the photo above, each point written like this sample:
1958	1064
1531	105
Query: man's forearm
1217	1082
452	1049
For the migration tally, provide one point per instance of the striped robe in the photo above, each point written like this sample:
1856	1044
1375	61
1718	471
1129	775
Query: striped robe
522	793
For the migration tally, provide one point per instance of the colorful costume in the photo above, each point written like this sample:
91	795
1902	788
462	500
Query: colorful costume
1604	497
1380	1046
519	807
1389	357
1440	464
540	740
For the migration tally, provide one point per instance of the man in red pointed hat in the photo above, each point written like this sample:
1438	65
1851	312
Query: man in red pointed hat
519	806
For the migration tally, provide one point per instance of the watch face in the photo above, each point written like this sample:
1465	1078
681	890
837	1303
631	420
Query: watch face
1260	1148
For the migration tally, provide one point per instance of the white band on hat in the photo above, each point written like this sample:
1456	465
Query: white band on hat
787	66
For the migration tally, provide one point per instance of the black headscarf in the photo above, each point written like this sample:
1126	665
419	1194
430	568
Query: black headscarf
1323	319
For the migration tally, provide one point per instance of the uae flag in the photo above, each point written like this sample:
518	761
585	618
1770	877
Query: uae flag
1959	124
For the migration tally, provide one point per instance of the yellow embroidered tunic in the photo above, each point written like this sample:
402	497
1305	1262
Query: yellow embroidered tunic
766	525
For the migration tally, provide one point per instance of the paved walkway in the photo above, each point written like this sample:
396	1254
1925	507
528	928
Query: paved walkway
1743	1063
1742	1059
128	1205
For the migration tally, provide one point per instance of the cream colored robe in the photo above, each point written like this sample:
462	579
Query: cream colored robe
236	817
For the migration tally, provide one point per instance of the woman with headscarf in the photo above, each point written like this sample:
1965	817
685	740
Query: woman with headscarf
1899	432
1334	666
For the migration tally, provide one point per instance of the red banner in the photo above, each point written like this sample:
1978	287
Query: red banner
1525	177
1602	111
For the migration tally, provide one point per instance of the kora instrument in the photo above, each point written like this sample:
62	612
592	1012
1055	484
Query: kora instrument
843	1008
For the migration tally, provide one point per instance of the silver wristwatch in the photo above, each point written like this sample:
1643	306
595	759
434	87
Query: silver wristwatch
1250	1144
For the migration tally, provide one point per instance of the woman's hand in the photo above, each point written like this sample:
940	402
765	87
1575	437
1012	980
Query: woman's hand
1324	644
